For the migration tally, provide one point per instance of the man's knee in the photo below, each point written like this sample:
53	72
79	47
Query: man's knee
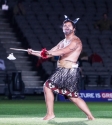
73	99
45	88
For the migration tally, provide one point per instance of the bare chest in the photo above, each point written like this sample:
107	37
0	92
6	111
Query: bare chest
64	44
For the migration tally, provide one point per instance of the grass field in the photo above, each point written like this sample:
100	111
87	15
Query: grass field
30	112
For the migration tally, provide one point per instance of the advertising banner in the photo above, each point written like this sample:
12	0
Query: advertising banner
92	96
96	95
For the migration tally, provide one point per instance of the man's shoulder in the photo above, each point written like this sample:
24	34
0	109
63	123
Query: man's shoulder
78	43
62	40
76	39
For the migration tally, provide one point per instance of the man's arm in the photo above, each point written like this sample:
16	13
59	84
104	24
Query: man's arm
54	49
37	53
57	46
75	44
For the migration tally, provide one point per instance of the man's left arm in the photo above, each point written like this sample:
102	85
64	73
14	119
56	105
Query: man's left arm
71	47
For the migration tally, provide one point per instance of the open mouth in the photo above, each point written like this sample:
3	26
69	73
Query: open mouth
67	30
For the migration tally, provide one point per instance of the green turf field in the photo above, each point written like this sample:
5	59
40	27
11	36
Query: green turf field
30	112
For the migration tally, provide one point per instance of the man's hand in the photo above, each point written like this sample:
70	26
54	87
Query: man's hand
33	52
30	51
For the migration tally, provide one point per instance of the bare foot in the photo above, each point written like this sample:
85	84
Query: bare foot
49	117
90	118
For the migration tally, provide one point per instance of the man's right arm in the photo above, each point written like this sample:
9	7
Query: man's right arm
36	53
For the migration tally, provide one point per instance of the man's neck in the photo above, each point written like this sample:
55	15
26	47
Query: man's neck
67	37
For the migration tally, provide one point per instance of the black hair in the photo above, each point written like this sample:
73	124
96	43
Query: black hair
65	21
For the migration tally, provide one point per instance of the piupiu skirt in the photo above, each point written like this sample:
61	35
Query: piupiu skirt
64	81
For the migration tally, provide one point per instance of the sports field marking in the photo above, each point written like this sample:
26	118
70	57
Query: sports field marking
56	121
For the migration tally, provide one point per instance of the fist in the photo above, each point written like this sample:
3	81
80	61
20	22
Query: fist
30	51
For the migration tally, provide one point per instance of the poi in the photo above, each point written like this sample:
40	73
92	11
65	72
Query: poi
11	57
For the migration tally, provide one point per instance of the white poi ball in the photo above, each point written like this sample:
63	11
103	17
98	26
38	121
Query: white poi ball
11	57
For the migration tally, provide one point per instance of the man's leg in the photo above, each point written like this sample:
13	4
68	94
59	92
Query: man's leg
83	106
49	99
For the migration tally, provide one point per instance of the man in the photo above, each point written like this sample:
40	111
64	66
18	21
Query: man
65	79
104	24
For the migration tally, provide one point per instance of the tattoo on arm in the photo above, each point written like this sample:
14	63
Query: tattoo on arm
75	47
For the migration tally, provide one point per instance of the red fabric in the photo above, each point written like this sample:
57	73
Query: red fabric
40	61
96	58
44	53
60	91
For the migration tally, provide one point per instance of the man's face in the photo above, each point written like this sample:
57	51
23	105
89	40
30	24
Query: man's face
68	28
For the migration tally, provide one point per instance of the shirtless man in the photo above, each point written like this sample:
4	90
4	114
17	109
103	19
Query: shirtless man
65	79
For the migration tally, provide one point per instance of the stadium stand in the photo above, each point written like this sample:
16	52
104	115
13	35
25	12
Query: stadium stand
41	27
30	76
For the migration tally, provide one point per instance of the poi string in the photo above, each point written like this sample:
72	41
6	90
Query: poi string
11	56
22	50
43	52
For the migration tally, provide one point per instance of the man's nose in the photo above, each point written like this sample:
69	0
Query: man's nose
66	26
